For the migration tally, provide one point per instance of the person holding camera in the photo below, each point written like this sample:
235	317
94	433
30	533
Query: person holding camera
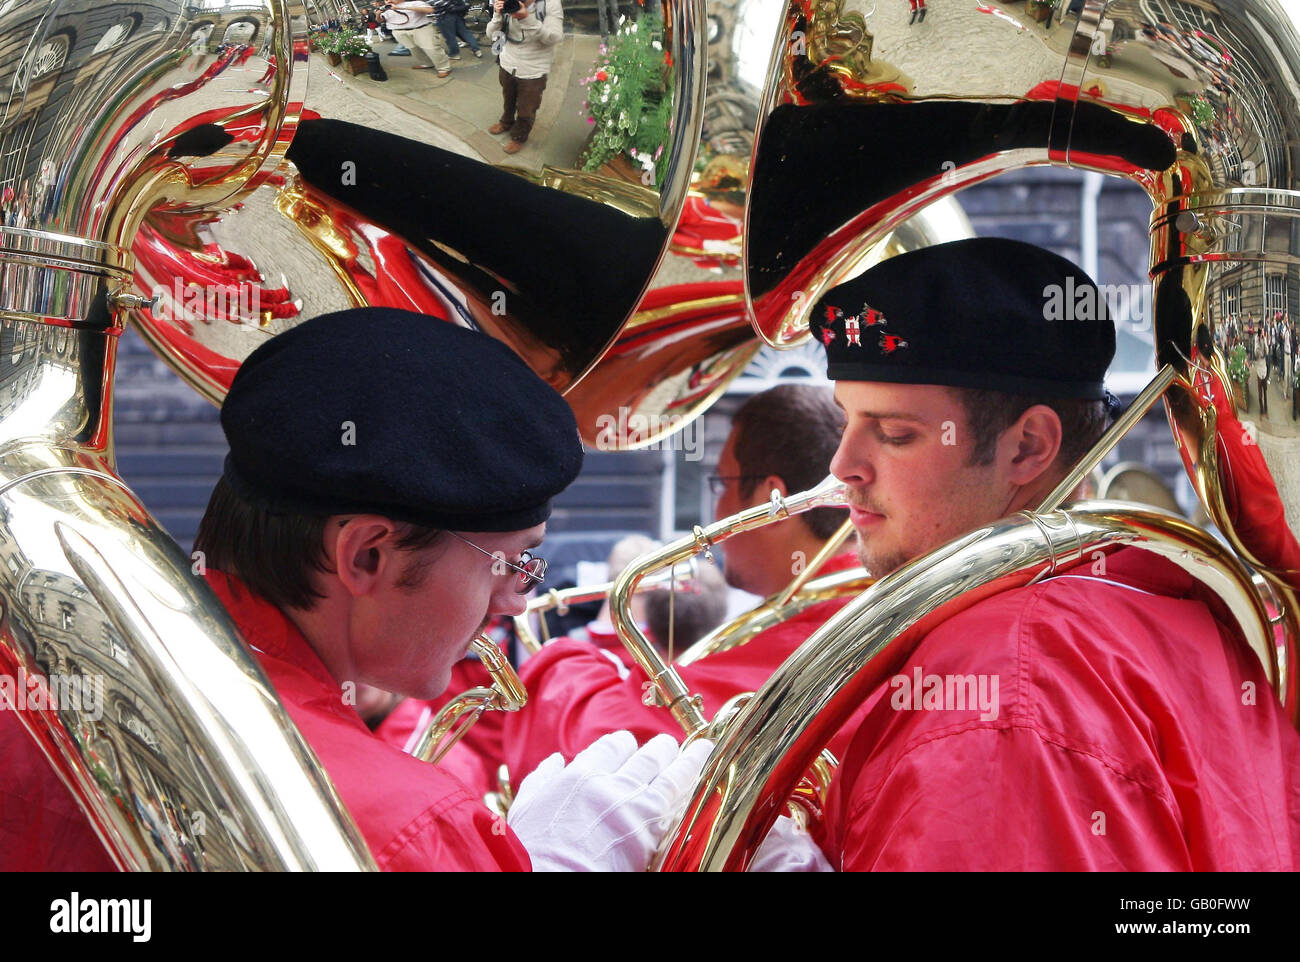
524	35
412	25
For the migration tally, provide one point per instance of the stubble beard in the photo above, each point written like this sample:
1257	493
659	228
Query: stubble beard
879	563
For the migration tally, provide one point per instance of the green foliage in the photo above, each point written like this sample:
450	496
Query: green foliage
1238	369
344	43
350	43
629	97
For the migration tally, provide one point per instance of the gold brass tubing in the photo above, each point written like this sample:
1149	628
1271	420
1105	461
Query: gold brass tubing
1123	424
459	715
780	730
672	691
742	629
652	314
827	551
559	599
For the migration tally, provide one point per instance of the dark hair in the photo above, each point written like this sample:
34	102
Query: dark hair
989	413
791	431
694	614
277	554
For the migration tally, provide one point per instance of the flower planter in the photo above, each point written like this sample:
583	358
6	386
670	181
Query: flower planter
356	65
334	59
1239	395
1039	11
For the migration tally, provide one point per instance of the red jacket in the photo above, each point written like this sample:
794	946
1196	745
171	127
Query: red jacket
1132	731
411	814
576	692
475	758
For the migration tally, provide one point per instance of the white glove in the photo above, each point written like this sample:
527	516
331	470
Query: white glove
789	848
608	809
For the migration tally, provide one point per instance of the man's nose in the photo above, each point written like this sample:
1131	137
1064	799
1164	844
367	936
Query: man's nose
850	465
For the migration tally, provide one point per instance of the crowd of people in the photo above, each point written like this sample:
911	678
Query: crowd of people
523	36
1267	347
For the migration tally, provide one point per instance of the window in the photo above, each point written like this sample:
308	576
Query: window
1231	301
1274	295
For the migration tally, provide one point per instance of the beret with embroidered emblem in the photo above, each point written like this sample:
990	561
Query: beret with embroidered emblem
374	410
984	312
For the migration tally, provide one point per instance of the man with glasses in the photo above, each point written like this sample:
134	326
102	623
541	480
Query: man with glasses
389	476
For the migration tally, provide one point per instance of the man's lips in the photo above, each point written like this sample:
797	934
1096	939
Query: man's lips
862	518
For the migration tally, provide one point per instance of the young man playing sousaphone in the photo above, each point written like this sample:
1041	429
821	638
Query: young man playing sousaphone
1125	726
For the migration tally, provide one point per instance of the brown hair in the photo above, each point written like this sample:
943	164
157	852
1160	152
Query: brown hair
277	554
791	431
693	613
989	413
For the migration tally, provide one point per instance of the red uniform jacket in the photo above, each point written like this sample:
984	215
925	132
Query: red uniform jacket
577	693
1131	732
411	814
475	758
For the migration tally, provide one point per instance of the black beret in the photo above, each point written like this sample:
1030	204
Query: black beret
399	414
984	312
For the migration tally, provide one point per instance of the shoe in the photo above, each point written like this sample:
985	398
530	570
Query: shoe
921	19
457	57
462	43
479	54
421	66
913	20
513	146
499	128
400	51
444	73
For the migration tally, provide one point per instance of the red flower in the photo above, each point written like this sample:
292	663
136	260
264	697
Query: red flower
601	75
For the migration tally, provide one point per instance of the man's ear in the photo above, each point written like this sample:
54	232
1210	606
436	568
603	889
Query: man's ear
773	482
1030	446
363	552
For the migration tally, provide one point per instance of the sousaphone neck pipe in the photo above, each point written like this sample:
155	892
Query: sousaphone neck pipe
668	684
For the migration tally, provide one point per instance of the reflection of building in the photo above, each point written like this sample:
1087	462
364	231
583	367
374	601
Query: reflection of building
66	633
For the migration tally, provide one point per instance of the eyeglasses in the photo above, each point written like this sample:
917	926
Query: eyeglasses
718	482
532	571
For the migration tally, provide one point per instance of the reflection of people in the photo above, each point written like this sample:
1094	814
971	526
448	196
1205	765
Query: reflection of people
1104	717
918	11
1295	387
412	25
607	11
371	22
1261	376
525	43
451	21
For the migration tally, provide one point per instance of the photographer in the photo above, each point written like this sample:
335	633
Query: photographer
451	21
524	34
412	24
